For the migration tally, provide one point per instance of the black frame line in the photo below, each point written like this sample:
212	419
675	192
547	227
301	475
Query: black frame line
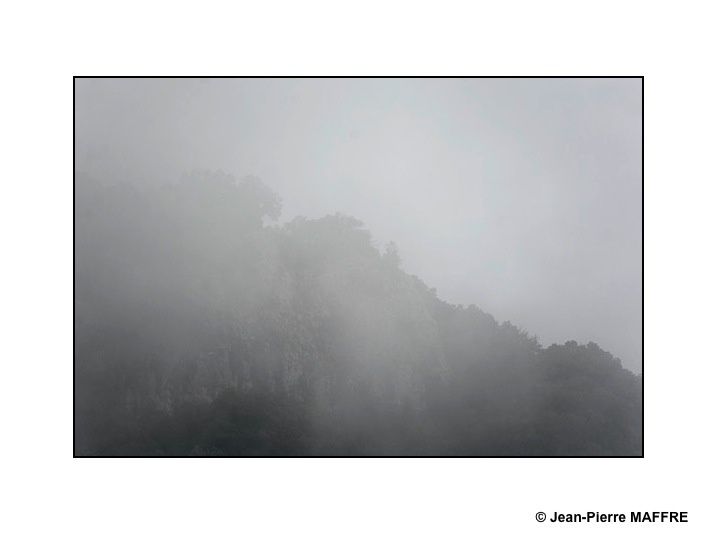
642	249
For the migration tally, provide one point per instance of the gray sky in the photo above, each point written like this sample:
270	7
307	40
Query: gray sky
522	196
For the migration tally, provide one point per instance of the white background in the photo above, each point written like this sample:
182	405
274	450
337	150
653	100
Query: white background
48	494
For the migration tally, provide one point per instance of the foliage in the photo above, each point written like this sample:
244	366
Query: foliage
201	329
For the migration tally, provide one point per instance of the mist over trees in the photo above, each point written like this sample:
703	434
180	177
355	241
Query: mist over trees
203	327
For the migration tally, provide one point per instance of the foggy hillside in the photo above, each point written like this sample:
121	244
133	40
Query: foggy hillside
522	196
205	328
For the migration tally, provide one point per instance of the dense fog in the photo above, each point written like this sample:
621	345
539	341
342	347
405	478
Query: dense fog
324	267
522	196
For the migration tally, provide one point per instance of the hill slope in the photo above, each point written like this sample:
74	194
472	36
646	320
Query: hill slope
202	330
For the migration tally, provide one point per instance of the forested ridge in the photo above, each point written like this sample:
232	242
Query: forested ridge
204	328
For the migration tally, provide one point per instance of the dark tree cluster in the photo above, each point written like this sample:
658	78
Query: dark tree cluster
203	328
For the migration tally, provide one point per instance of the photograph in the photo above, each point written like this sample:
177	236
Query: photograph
358	266
388	270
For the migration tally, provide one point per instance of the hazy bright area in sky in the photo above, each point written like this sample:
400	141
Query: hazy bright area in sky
522	196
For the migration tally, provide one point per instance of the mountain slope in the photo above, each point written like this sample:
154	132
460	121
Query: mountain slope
202	330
